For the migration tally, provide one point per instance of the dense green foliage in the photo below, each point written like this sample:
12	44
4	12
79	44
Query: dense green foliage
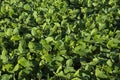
59	39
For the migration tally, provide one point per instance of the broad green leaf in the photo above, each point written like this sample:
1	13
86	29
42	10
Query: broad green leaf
11	12
59	58
16	67
31	45
108	69
111	33
14	25
9	32
61	74
23	15
16	31
87	67
59	45
45	45
57	24
109	63
80	49
47	57
94	31
7	67
4	56
62	52
24	62
27	7
14	1
77	73
42	62
95	4
2	34
85	75
27	70
22	45
102	26
118	11
113	43
6	77
100	73
15	38
112	2
69	69
76	79
59	69
34	31
3	9
98	39
35	14
116	69
69	62
49	39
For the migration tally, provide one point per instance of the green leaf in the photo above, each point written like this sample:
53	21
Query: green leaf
100	73
4	56
24	62
45	45
2	34
59	69
77	73
3	9
113	43
109	63
95	61
16	31
47	57
76	79
61	74
69	70
31	45
95	4
6	77
9	32
49	39
94	31
34	31
62	52
118	11
108	69
27	7
102	26
15	38
7	67
35	14
11	12
22	45
14	25
59	58
116	70
16	67
69	62
14	1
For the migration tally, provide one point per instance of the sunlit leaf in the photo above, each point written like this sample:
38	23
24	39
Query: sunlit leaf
100	73
24	62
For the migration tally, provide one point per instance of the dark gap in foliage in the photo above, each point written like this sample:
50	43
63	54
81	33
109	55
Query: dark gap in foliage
9	45
46	71
117	25
96	51
23	31
88	58
13	60
77	63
